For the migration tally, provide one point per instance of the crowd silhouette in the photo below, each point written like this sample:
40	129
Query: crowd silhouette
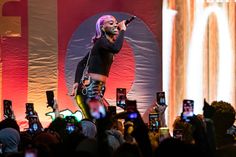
122	135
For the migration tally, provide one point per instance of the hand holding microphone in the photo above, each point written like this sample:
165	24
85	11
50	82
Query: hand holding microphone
129	20
123	24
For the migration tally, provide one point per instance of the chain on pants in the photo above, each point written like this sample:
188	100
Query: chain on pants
94	91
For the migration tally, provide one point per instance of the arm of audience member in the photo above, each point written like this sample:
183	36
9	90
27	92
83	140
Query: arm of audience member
140	133
56	109
161	110
13	115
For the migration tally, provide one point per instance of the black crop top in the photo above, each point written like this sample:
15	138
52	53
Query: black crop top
102	54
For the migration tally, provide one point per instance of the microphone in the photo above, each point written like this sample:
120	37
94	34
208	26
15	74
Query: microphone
129	20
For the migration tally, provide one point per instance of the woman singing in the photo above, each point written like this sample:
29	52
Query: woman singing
107	42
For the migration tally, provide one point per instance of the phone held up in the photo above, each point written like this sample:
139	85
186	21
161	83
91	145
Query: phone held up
160	96
187	111
164	133
131	109
112	110
50	98
121	97
29	107
31	152
178	134
7	109
154	121
33	124
70	124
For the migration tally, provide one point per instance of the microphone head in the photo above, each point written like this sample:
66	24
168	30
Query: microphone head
129	20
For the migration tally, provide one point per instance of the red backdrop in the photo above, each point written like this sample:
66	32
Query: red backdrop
69	15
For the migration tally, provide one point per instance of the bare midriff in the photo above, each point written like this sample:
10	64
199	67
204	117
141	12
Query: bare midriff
98	77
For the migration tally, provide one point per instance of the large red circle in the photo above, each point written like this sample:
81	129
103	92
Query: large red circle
122	72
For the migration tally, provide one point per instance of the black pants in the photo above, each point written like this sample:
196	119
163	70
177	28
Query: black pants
94	91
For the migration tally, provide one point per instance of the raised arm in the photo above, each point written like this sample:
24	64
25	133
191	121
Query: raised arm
112	47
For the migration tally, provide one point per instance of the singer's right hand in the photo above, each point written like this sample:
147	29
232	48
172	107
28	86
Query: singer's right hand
74	89
122	25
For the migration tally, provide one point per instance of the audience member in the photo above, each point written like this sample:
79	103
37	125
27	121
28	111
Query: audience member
220	117
10	140
209	135
128	150
9	123
89	129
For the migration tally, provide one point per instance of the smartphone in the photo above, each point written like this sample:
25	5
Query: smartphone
164	133
7	107
33	127
70	124
121	97
131	110
187	111
70	128
160	96
154	121
112	110
33	123
50	98
29	109
132	115
131	105
178	134
31	152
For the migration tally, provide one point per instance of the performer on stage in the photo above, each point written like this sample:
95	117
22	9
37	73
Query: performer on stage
107	42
